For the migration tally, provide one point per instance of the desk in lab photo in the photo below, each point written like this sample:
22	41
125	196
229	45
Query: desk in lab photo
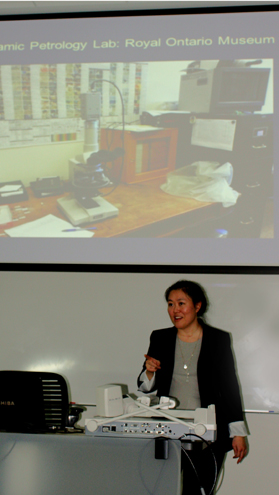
144	210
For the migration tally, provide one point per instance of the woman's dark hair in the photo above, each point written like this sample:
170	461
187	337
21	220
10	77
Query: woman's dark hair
193	290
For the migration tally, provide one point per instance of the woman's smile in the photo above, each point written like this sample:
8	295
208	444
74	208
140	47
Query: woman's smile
181	309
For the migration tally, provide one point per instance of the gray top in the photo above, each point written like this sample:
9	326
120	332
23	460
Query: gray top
184	385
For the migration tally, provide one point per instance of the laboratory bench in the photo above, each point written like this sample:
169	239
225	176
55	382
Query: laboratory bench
144	211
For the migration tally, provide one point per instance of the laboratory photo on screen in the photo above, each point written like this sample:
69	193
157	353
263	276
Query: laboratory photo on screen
179	148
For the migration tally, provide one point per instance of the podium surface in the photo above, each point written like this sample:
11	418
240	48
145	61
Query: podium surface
72	464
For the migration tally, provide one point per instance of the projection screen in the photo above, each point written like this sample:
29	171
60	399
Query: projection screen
140	139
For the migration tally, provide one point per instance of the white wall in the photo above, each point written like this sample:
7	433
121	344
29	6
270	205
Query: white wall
30	162
163	83
258	473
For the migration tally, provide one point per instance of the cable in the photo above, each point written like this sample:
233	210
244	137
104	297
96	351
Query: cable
193	466
221	478
214	458
123	129
8	453
75	430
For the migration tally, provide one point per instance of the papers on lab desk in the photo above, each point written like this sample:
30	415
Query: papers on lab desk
5	214
48	226
214	133
10	190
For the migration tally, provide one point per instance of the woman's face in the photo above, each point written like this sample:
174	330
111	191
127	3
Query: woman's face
182	310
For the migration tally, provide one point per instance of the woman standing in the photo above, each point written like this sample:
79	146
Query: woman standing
194	363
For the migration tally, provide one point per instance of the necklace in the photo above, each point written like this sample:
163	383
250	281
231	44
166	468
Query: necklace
187	366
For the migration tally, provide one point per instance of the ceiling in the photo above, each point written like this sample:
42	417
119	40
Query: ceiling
52	7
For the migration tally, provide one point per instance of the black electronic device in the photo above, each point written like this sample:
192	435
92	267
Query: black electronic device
161	448
47	186
230	86
33	402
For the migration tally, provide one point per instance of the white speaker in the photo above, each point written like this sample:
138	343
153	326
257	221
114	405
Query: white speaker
109	401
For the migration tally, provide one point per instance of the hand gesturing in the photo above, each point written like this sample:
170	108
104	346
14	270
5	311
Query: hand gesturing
151	365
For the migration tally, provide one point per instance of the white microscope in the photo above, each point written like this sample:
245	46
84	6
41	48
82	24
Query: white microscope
85	204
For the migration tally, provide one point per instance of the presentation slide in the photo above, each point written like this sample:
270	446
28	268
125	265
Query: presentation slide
141	139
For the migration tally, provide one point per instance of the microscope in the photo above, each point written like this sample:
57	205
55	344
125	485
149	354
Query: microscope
86	173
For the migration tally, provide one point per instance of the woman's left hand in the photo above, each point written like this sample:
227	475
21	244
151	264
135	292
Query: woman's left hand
239	448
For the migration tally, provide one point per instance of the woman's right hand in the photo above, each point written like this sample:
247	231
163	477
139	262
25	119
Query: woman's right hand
151	365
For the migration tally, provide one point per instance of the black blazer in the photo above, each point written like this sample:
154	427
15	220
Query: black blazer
217	378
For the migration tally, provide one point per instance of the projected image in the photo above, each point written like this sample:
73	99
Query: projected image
144	149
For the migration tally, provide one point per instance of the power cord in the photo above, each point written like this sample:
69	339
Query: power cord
194	469
221	478
190	460
141	470
8	453
123	130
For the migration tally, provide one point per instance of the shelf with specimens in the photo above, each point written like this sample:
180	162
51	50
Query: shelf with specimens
40	104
